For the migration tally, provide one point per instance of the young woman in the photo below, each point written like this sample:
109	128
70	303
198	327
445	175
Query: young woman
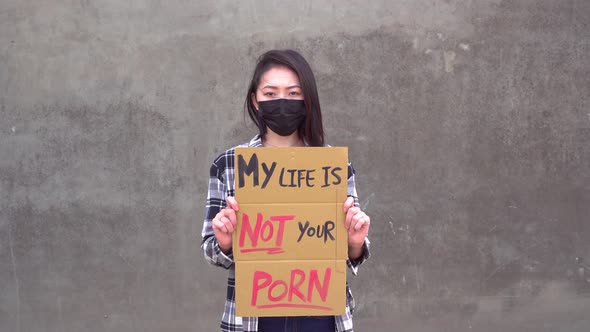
283	102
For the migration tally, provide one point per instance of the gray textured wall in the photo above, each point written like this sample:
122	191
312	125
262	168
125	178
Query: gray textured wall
468	123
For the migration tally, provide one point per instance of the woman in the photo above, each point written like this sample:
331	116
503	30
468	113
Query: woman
283	102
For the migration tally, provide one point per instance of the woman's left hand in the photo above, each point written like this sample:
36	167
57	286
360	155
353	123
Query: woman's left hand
357	223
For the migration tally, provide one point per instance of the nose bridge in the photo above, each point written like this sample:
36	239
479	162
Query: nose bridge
282	94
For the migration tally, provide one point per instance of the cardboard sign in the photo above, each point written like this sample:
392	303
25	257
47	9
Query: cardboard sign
290	245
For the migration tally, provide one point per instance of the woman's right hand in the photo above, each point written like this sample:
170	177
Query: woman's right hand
224	225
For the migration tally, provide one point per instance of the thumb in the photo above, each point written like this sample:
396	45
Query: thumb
232	203
348	203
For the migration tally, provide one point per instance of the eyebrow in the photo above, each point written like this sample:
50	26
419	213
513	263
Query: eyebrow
274	87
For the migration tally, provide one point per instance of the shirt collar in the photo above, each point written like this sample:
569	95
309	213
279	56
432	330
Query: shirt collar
256	142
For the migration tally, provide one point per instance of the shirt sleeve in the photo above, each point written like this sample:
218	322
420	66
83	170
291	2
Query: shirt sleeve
216	196
354	265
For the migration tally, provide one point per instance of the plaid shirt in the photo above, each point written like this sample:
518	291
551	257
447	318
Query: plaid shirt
221	185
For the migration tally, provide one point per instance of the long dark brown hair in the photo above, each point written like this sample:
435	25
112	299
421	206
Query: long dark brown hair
312	130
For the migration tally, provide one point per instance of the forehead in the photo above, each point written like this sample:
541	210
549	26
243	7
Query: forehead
279	76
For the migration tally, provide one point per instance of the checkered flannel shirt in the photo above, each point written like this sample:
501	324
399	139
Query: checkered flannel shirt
221	185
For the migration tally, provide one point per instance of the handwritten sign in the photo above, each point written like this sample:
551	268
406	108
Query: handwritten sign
290	245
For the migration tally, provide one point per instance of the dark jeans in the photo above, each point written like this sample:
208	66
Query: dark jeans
297	324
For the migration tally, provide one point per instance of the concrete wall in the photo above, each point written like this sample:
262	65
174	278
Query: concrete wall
468	123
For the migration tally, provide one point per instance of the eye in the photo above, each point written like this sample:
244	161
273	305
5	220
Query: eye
269	94
295	93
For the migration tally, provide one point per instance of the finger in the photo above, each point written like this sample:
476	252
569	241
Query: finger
351	212
355	220
218	217
363	222
230	214
217	224
348	204
227	223
232	203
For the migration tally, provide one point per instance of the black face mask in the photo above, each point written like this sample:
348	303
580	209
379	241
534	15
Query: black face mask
283	116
